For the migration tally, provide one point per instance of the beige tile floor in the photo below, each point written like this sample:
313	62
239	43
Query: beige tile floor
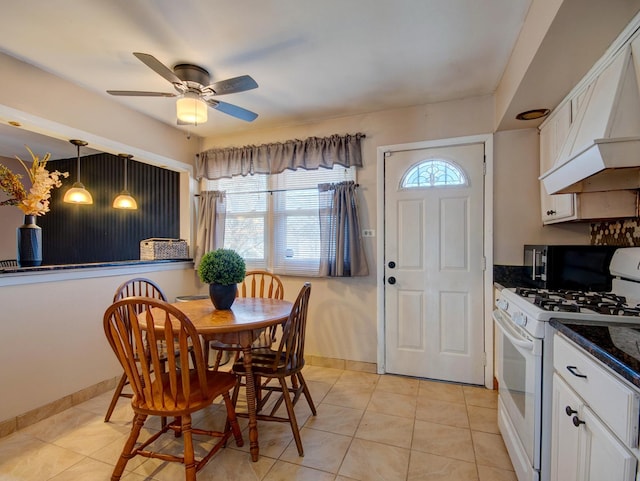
368	427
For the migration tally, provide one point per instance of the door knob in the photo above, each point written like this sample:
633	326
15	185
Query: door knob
391	265
392	280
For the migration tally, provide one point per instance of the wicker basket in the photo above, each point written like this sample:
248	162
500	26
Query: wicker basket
158	248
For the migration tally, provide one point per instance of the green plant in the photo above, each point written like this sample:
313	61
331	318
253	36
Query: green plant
222	266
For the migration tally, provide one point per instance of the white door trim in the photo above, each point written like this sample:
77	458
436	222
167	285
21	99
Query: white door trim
487	139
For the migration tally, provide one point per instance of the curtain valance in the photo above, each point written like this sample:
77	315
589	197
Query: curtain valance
274	158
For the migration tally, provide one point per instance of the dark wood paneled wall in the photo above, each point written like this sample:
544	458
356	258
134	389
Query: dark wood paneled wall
76	234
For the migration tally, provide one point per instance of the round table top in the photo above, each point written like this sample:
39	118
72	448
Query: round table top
246	313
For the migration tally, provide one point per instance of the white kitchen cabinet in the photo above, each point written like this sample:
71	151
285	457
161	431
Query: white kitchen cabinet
561	139
558	207
557	138
589	405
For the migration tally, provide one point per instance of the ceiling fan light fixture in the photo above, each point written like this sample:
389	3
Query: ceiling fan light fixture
77	194
191	109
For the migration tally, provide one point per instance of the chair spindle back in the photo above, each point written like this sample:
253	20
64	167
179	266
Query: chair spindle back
291	348
137	329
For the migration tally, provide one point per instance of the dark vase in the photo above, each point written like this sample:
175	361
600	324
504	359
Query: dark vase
29	241
222	296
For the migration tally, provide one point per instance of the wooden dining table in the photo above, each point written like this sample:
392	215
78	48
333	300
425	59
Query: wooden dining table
239	326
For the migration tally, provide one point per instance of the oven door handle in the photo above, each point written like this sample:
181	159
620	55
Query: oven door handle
512	334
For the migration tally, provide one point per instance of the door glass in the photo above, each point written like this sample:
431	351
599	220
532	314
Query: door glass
514	372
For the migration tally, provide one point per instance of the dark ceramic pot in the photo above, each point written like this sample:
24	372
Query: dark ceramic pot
222	296
29	240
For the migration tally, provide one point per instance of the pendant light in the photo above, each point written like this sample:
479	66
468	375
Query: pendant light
124	200
77	194
191	109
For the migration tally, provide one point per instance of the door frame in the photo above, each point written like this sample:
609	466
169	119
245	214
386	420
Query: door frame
487	140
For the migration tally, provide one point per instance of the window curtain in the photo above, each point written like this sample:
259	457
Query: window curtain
341	249
309	154
212	212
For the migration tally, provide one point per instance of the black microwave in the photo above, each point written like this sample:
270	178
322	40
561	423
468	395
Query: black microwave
576	267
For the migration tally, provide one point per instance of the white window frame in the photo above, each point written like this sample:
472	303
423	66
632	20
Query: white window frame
274	260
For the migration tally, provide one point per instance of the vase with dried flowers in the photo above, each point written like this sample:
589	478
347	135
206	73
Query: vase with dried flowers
33	202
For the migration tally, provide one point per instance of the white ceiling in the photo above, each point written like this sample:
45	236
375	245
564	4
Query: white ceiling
312	59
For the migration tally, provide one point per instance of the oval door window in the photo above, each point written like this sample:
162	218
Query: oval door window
434	173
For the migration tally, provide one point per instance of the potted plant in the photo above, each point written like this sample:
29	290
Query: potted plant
222	269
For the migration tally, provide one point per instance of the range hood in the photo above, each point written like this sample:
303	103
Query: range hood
602	149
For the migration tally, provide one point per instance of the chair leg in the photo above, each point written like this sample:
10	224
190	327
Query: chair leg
129	446
232	420
116	395
292	415
189	457
307	393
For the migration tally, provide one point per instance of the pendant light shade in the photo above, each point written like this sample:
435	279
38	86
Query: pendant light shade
124	200
77	194
191	109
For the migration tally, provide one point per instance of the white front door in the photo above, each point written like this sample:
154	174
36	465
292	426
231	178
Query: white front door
434	218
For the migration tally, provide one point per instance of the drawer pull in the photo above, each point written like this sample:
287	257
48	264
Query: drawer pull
570	411
572	370
577	421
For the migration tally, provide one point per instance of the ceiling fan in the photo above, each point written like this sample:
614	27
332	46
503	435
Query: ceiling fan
194	91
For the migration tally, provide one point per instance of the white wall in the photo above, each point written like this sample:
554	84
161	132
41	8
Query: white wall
342	317
517	214
52	341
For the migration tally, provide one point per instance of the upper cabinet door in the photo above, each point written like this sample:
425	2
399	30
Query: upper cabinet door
553	136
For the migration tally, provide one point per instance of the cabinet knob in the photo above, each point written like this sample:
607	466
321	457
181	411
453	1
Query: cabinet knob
551	212
392	280
577	421
570	411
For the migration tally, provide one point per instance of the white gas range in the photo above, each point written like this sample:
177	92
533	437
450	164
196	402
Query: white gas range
524	364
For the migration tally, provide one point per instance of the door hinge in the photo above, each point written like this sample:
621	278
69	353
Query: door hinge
484	358
484	263
484	166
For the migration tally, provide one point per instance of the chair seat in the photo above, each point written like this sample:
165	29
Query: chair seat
218	382
263	364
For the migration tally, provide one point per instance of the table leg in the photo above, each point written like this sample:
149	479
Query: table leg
251	404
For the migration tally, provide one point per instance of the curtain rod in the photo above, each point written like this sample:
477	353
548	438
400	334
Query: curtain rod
270	191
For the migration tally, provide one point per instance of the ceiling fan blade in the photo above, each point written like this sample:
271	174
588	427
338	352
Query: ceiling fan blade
137	93
233	110
158	67
233	85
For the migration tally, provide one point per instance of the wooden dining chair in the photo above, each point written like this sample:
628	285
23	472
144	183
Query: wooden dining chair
143	332
255	284
281	364
142	287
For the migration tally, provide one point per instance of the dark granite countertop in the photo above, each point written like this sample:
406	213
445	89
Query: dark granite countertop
616	345
60	267
512	276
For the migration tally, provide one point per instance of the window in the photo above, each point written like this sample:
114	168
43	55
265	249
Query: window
433	173
272	220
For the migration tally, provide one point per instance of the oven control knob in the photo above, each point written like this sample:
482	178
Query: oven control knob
502	304
519	318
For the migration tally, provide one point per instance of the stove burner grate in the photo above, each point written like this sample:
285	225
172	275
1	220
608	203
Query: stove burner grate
565	300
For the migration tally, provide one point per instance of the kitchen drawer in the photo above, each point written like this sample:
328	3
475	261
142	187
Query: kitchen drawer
613	401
